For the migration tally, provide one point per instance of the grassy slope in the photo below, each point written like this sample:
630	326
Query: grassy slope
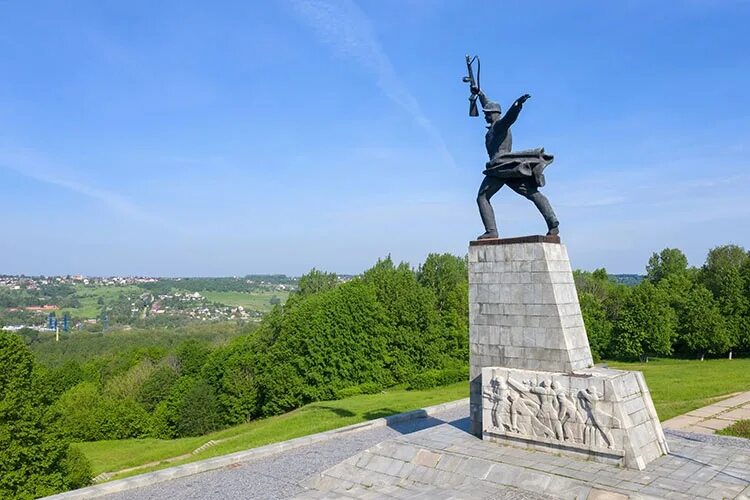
677	386
313	418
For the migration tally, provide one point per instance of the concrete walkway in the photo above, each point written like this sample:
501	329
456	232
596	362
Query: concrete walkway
714	417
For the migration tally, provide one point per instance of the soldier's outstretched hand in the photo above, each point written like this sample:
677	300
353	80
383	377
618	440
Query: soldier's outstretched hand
522	99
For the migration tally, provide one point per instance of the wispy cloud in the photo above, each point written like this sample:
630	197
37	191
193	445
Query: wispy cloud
344	27
32	166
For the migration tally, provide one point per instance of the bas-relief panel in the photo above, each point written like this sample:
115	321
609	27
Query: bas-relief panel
547	410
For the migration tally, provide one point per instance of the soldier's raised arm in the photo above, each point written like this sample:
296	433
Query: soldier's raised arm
482	98
512	115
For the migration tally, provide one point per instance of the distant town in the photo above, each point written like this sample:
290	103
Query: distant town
95	303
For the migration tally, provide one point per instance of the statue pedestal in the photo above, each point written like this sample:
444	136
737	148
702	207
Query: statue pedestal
532	376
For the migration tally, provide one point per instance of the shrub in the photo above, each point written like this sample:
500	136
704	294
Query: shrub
83	414
435	378
370	388
156	388
356	390
192	409
77	468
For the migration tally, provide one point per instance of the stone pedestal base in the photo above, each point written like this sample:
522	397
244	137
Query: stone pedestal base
600	414
532	378
523	311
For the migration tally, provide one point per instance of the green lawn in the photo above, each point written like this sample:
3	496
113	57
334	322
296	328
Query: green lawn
108	456
678	386
255	301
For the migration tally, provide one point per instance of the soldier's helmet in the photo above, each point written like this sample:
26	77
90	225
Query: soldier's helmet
492	107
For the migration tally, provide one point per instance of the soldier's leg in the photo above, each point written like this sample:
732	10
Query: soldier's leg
487	189
528	188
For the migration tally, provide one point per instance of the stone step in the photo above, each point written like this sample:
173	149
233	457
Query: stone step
205	446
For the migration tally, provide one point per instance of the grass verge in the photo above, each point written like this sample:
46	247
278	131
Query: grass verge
740	428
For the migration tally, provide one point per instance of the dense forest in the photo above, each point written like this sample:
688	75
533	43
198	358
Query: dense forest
393	325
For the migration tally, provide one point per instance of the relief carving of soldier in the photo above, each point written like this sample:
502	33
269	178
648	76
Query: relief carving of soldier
500	411
597	420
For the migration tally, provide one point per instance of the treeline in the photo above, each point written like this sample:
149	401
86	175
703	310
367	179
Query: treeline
677	310
61	294
156	342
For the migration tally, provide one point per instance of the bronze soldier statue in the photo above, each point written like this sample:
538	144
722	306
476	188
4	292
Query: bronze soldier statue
522	171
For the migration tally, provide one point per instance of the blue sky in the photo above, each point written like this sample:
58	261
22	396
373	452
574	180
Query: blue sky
226	138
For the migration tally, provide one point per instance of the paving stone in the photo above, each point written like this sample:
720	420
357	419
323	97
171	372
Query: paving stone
668	483
722	493
701	490
476	468
679	496
707	411
577	474
426	458
449	463
703	476
606	480
504	475
683	421
597	494
654	491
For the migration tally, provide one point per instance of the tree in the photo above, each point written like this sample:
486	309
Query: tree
598	327
701	328
232	372
83	414
447	277
315	282
192	355
415	337
156	388
745	327
666	263
722	275
326	342
442	273
192	409
35	459
646	324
